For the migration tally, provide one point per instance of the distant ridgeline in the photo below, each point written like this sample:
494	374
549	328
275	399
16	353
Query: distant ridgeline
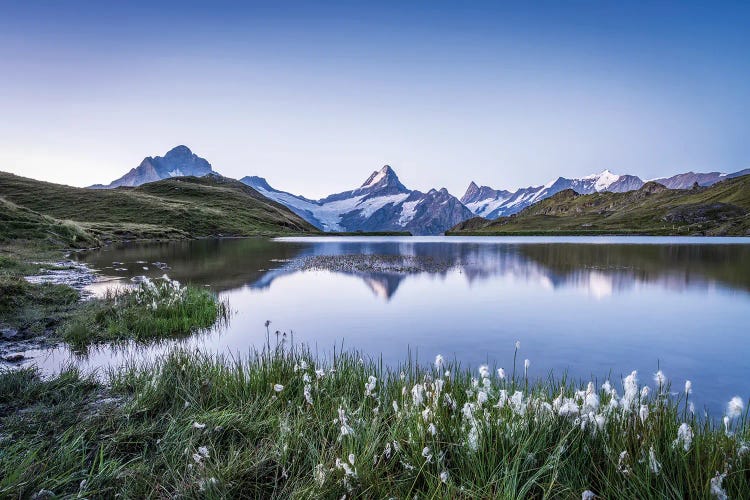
720	209
382	204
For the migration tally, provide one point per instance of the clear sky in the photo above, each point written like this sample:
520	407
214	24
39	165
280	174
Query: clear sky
316	95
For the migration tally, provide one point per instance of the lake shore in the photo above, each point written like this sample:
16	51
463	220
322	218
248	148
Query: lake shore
281	423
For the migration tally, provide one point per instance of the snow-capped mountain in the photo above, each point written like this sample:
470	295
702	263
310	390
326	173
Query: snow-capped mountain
178	162
382	203
687	180
489	203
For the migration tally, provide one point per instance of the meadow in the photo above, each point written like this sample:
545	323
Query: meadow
284	423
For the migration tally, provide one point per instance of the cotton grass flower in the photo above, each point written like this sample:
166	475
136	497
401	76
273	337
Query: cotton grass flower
307	393
278	387
735	407
427	454
199	426
717	491
643	413
660	379
518	344
684	436
370	385
688	387
526	365
439	362
444	477
501	374
417	394
484	371
588	495
653	463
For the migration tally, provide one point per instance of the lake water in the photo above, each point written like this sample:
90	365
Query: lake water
595	307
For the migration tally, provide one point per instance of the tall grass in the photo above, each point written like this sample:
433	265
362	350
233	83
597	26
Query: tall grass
280	423
154	310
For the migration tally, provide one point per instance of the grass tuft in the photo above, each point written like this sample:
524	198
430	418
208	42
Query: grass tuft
280	423
154	310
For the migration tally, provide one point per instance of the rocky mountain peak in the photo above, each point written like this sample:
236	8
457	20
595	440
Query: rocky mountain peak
177	162
386	176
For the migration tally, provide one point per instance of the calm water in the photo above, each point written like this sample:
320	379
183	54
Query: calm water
589	306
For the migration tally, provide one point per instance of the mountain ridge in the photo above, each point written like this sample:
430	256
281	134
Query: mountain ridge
381	203
720	209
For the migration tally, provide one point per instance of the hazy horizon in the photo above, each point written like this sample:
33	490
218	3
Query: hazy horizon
316	97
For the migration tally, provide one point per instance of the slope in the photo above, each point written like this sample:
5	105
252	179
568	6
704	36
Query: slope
722	209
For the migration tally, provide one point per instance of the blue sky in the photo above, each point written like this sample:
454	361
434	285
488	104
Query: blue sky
315	95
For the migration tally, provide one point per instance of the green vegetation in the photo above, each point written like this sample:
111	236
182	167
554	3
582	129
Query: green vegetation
279	424
722	209
155	310
185	207
30	309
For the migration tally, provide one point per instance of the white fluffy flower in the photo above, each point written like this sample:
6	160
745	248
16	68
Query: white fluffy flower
278	387
660	379
500	373
684	436
716	489
444	477
588	495
370	385
526	365
481	398
735	407
518	344
568	408
688	387
653	464
432	429
417	394
643	413
198	425
484	371
439	361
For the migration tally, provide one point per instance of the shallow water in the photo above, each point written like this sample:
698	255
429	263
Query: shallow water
592	307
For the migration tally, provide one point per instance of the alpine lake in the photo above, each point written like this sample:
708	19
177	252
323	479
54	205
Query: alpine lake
590	308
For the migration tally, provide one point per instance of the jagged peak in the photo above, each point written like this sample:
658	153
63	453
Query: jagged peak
382	176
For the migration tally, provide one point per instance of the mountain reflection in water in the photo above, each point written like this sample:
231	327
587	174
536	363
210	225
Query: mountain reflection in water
602	269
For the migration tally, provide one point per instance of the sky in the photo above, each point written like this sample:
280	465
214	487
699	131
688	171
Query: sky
314	96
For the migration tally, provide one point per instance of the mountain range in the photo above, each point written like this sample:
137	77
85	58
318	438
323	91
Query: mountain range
489	203
383	203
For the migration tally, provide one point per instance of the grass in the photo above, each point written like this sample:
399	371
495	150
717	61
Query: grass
185	207
154	310
282	424
721	209
31	309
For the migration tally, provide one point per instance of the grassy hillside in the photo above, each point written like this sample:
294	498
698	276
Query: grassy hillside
722	209
172	208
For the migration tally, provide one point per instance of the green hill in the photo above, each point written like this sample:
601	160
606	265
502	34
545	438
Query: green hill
185	207
722	209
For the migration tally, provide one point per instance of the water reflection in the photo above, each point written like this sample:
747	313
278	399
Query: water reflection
601	269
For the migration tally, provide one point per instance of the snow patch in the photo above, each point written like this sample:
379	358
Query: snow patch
408	211
176	173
